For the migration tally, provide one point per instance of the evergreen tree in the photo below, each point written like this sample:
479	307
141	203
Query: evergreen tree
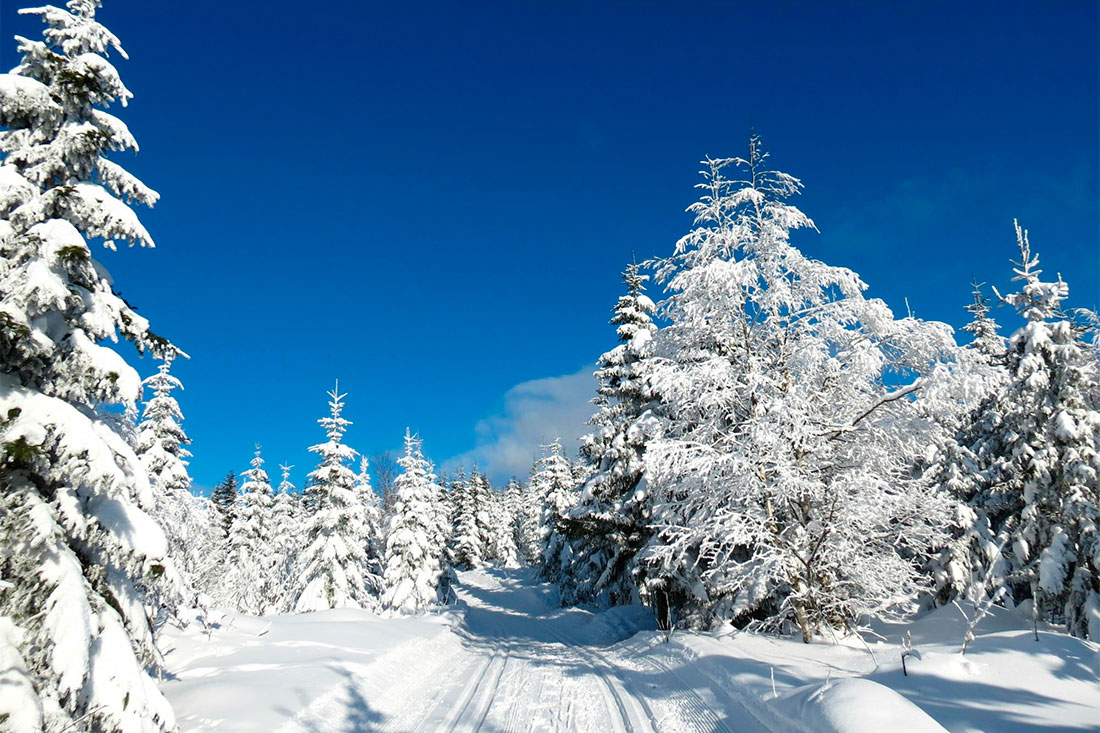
78	555
160	439
1028	464
467	539
525	515
251	583
552	483
224	500
501	544
286	526
611	519
372	514
333	570
415	576
781	474
987	340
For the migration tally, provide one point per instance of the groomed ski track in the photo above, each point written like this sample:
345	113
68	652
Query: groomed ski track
522	666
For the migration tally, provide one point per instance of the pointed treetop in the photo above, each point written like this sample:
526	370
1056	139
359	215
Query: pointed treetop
1037	300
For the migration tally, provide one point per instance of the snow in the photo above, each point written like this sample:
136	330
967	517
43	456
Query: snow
506	656
23	96
854	706
19	706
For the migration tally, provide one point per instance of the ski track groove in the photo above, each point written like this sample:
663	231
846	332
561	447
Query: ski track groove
462	717
600	667
702	713
538	694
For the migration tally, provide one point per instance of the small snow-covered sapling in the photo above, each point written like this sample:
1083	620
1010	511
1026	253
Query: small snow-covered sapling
907	650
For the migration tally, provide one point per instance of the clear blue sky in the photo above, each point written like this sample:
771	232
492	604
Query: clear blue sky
433	202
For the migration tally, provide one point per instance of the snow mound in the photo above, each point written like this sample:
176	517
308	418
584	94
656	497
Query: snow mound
853	706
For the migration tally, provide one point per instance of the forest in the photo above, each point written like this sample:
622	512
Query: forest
769	448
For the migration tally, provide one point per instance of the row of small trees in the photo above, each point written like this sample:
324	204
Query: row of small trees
336	544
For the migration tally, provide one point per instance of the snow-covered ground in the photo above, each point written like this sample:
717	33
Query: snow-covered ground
507	658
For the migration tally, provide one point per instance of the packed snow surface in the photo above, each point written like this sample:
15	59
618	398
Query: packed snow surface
505	657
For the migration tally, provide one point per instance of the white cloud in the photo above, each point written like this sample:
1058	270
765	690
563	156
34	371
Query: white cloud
534	413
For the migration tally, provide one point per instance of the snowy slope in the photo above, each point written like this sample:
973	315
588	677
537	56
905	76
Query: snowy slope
507	658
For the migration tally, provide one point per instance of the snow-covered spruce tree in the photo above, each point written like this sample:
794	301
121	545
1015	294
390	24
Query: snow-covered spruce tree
611	518
333	570
525	526
224	501
781	483
552	484
251	583
947	400
1030	463
194	542
467	536
372	514
987	340
83	566
286	529
161	439
415	575
501	547
482	513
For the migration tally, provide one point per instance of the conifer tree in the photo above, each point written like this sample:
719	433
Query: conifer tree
552	483
78	555
781	477
501	547
467	536
525	515
160	437
224	500
333	570
611	519
372	515
286	530
415	576
987	340
1030	463
193	539
251	583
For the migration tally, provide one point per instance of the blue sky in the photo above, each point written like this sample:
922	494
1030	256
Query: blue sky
432	202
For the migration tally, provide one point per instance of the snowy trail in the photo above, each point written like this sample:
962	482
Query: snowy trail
537	673
505	658
508	658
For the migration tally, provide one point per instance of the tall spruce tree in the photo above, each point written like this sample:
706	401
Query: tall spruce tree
334	570
553	485
1030	463
224	501
468	536
286	524
501	545
78	555
372	516
611	519
251	583
415	574
525	525
193	538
